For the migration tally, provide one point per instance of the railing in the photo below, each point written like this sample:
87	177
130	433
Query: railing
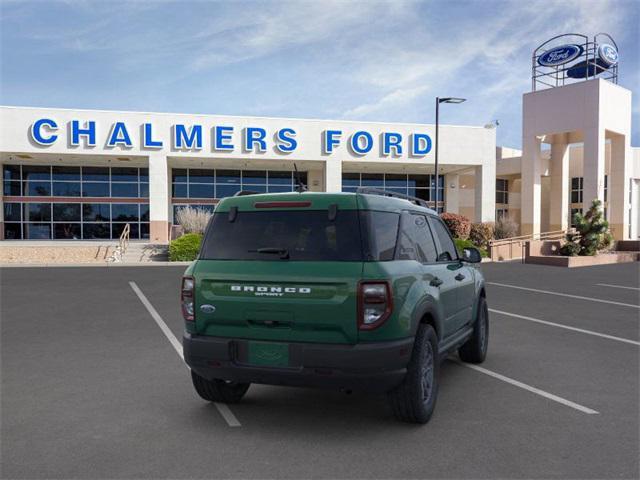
514	247
123	244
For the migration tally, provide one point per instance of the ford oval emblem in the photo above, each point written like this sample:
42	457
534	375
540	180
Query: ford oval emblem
560	55
206	308
608	54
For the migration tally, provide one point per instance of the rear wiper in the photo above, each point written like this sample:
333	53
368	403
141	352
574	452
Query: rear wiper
283	252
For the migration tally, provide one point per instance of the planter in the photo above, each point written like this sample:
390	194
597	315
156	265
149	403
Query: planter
601	259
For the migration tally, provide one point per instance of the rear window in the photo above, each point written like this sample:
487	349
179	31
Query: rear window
303	235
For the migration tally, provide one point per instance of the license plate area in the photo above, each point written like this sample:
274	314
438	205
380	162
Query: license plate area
268	354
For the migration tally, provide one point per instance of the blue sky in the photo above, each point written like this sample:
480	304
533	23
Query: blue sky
368	60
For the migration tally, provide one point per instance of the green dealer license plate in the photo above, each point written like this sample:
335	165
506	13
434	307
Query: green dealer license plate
269	354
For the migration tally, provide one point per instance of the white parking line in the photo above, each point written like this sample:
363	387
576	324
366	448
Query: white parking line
566	327
529	388
617	286
590	299
224	410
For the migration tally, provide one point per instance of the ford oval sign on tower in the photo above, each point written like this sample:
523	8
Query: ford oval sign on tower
608	54
560	55
571	57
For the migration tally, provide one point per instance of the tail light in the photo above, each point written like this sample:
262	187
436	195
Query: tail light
187	295
375	304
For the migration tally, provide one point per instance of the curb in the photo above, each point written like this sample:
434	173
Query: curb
94	265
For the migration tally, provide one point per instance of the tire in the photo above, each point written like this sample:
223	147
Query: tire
414	400
219	390
474	350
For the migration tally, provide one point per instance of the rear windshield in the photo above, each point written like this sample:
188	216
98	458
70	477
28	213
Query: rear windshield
304	235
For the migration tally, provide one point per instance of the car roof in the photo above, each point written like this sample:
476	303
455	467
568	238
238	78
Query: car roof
321	201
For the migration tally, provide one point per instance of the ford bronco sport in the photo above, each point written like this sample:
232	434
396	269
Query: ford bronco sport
353	291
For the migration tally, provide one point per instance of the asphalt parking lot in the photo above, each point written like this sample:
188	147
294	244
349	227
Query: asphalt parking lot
92	387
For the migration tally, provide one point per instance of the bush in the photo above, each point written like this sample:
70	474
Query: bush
505	228
462	244
193	220
481	233
185	248
458	225
591	235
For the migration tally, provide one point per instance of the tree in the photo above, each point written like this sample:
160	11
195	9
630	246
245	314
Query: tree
591	235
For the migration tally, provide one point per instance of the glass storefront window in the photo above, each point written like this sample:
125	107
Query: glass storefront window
12	189
420	186
96	231
90	189
198	190
37	231
36	172
66	189
12	212
37	189
96	212
124	189
66	173
66	212
11	172
69	231
37	212
124	212
227	176
95	174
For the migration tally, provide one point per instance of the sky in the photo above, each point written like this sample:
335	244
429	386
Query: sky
344	60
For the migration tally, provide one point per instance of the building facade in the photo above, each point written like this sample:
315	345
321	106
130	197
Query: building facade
85	174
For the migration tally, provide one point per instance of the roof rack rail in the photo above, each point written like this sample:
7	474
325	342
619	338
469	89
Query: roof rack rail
242	193
387	193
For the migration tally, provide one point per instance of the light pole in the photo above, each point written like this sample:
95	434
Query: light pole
438	102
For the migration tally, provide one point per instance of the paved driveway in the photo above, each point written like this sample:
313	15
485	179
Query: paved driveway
92	387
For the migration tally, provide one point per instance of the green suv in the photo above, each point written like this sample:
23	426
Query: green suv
352	291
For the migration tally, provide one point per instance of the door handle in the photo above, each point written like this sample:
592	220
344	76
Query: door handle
435	282
459	277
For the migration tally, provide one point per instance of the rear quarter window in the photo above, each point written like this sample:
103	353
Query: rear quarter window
380	233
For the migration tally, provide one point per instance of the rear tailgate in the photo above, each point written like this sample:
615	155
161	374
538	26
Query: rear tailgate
296	301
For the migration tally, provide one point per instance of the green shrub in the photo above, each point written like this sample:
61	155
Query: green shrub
458	225
185	248
462	244
481	233
592	233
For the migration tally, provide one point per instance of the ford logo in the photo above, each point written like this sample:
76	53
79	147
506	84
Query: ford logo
608	54
560	55
206	308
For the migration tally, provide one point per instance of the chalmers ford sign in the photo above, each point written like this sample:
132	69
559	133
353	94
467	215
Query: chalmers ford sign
222	138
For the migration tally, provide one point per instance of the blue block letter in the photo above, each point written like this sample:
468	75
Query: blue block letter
221	137
255	135
147	138
330	140
286	140
391	140
36	131
89	131
119	136
421	144
355	142
184	139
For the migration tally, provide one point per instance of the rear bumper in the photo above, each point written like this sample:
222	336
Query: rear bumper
370	367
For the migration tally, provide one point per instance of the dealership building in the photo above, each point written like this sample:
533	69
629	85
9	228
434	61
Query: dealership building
85	174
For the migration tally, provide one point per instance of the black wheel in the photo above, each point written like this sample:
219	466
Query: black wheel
475	349
219	390
415	398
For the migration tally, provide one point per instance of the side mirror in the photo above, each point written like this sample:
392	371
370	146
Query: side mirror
471	255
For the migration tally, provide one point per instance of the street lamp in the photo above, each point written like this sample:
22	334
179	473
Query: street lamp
438	102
